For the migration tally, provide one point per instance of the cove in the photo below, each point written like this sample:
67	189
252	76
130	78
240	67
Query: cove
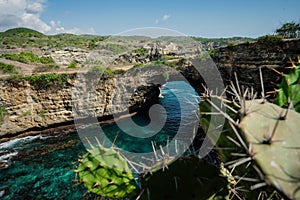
40	167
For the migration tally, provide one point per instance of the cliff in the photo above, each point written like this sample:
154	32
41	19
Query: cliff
246	59
35	104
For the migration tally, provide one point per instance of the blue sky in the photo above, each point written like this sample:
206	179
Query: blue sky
214	18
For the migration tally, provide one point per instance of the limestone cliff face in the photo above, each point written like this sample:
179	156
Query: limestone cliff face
35	107
246	59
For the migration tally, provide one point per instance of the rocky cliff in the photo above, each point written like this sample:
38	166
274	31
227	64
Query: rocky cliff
246	59
33	105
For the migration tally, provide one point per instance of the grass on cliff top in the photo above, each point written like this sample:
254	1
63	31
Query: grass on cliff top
106	71
42	81
28	57
7	68
169	61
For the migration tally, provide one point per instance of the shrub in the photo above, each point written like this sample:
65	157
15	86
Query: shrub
141	51
47	60
45	81
98	69
72	64
42	113
270	39
139	65
7	68
3	113
28	57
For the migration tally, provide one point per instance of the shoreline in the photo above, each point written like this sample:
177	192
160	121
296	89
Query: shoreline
63	127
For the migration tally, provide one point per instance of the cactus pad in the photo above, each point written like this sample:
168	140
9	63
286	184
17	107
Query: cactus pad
289	89
274	137
104	172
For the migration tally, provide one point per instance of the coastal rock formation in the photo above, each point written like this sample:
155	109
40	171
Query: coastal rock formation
246	59
33	107
30	107
64	57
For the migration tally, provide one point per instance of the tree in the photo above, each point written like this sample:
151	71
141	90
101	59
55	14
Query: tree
289	30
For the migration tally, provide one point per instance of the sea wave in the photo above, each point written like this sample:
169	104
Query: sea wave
18	142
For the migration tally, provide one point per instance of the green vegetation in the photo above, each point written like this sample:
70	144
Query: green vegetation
105	172
289	30
141	51
26	113
288	94
159	63
22	32
203	56
270	39
106	71
79	41
230	45
45	81
169	61
28	57
73	64
3	113
7	68
115	48
138	65
212	52
23	37
166	76
223	41
42	113
259	139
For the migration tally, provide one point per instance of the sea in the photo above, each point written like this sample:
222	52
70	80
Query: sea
42	167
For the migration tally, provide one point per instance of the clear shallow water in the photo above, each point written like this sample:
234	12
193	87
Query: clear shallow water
40	167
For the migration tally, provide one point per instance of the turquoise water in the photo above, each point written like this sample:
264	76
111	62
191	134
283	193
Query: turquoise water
40	167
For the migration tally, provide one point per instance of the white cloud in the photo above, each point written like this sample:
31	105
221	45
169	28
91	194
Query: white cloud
33	21
35	8
56	28
26	13
166	17
22	13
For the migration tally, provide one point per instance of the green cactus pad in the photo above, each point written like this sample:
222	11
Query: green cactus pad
289	89
186	178
104	172
274	135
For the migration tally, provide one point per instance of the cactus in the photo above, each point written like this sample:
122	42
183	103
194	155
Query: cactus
186	178
224	145
274	137
289	89
104	172
260	142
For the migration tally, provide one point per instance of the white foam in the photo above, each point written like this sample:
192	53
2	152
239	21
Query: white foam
16	142
6	157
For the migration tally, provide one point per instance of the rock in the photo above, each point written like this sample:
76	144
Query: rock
246	59
53	105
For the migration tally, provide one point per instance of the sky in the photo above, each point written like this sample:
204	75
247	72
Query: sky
201	18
